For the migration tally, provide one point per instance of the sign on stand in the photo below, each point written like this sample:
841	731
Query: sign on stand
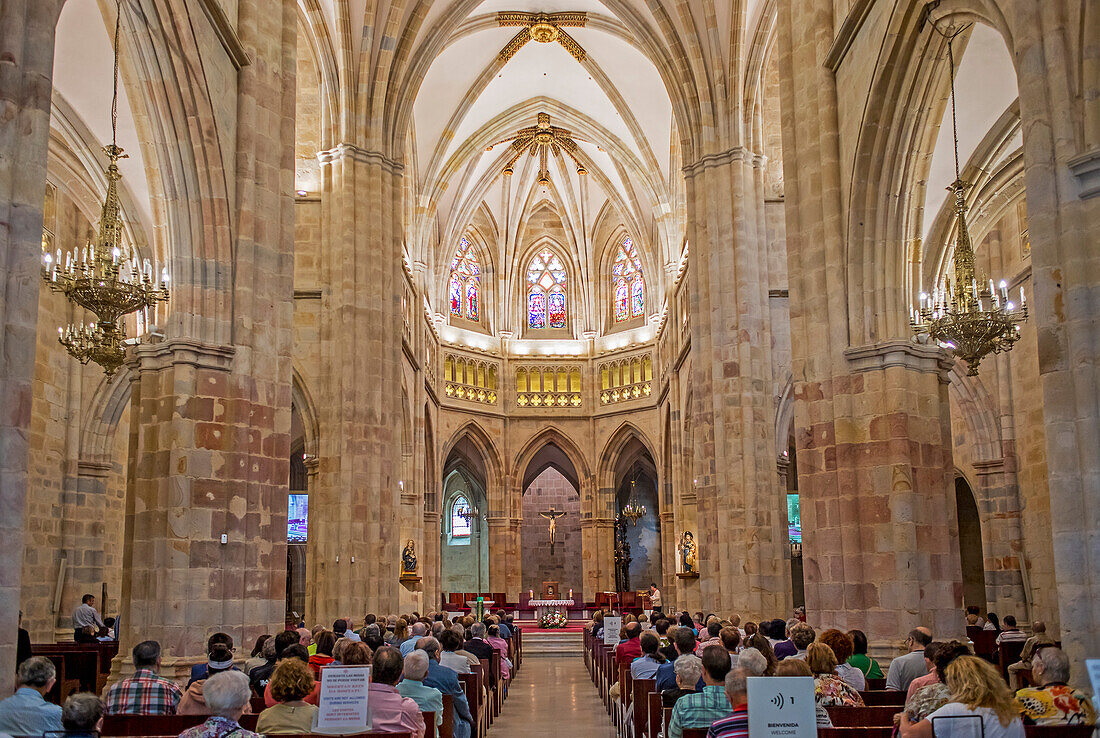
611	628
343	703
782	707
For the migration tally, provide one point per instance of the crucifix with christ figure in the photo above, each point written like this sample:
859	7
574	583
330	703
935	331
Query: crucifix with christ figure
552	515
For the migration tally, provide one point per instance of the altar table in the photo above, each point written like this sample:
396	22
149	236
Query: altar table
543	607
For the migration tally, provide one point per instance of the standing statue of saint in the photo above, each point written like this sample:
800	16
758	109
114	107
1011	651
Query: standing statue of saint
689	553
552	516
408	559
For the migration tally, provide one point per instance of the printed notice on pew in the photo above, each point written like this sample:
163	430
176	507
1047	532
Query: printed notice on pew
611	628
343	703
782	707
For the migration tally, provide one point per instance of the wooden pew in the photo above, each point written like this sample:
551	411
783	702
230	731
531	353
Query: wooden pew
876	684
642	689
429	725
626	693
1008	653
861	717
173	725
879	731
81	667
1058	731
447	729
472	684
655	710
695	732
875	698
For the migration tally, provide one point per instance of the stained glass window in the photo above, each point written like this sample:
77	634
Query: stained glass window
465	285
456	295
627	282
557	307
622	295
546	278
460	525
536	308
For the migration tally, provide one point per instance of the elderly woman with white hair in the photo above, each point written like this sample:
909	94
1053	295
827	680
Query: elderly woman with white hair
227	695
428	699
752	661
689	670
1053	701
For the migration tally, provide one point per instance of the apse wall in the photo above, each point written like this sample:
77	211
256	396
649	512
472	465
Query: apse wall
539	565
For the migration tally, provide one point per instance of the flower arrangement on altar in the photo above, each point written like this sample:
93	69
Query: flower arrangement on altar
553	620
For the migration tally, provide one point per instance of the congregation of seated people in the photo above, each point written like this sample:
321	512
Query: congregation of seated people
414	660
701	665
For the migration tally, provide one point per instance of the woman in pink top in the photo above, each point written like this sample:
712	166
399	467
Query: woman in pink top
501	645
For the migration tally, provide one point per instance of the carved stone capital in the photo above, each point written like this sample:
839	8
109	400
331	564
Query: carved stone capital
157	356
1086	168
924	358
354	153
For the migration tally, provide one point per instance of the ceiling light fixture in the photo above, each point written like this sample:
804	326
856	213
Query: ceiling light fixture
105	277
544	28
541	139
964	315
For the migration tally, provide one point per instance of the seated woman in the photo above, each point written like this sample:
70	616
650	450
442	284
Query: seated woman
227	695
689	670
860	659
798	667
842	646
326	641
1053	702
927	699
977	692
829	689
761	643
291	682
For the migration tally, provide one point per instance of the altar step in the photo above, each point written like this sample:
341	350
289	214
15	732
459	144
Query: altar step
543	644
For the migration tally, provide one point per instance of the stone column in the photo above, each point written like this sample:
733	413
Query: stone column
998	496
740	548
83	509
871	422
26	46
354	553
598	555
501	547
1059	84
209	457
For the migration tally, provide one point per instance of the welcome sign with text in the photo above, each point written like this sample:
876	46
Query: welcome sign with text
782	707
343	703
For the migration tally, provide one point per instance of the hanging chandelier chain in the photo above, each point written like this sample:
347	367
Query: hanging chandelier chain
114	95
954	111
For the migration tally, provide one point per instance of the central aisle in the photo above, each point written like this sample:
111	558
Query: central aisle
551	697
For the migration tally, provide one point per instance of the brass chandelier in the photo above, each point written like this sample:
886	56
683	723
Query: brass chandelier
541	139
633	510
965	315
105	277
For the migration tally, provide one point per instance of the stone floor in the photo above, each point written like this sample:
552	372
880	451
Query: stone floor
551	697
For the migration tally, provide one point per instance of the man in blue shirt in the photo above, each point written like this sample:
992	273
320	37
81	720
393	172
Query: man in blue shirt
419	630
446	681
702	709
26	712
684	640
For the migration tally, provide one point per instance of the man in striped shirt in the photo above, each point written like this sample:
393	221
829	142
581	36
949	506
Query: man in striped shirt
737	692
145	693
702	709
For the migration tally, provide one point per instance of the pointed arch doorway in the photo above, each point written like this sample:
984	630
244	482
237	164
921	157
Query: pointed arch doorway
550	481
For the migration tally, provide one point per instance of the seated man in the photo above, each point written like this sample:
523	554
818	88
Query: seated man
26	712
446	681
1053	702
701	710
1010	633
737	724
1038	639
82	715
904	669
629	649
389	711
202	671
450	657
428	699
144	693
646	667
684	640
689	672
418	631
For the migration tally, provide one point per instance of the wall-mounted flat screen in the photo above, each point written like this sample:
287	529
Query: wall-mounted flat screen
794	519
296	515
